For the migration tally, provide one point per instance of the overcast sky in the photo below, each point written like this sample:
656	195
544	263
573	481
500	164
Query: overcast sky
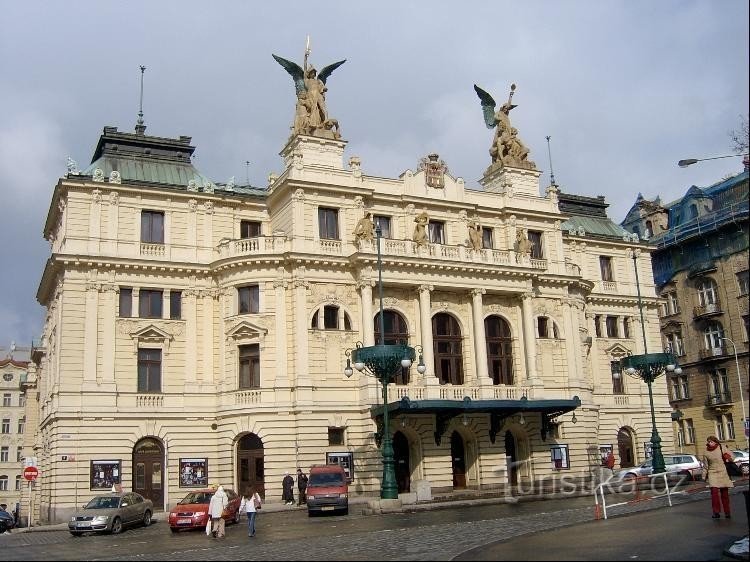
624	89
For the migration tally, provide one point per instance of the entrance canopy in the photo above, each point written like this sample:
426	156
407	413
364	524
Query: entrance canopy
499	410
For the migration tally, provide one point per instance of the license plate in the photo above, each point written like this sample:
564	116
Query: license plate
83	524
184	521
327	508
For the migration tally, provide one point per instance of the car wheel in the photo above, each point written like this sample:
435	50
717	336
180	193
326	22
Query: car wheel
116	526
76	533
147	518
236	518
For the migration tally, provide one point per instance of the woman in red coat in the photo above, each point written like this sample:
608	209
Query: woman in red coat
715	473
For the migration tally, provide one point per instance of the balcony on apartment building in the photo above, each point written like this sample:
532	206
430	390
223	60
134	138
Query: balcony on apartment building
719	399
708	309
712	352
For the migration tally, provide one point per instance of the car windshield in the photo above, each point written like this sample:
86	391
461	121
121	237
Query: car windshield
197	497
103	502
326	479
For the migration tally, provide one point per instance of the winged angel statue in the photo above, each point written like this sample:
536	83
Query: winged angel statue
311	115
506	147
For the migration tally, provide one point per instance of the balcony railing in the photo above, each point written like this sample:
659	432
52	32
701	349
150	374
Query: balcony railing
712	352
707	309
609	286
719	399
148	249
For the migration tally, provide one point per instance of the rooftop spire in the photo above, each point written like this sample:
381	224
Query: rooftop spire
140	128
551	172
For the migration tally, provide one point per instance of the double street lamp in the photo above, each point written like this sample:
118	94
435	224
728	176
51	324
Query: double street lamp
383	362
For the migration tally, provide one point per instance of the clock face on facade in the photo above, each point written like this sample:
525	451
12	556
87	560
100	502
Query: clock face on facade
8	377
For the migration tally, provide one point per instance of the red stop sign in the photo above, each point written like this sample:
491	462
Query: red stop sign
30	473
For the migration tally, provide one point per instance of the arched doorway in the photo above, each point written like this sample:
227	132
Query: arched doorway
148	473
625	447
250	465
458	460
403	463
446	341
511	458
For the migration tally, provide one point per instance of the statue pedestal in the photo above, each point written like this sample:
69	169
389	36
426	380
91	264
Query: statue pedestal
511	181
304	150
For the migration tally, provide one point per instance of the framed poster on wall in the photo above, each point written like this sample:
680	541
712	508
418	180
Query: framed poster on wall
604	451
345	459
105	474
194	473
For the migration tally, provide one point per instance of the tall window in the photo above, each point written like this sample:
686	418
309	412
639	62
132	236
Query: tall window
6	400
706	292
150	303
611	323
618	385
328	223
152	227
605	265
4	454
446	334
598	326
499	350
436	232
487	238
249	229
546	328
649	229
719	425
3	483
175	305
19	454
22	400
149	370
689	431
680	388
18	482
248	298
396	332
126	302
249	366
729	421
5	425
719	384
713	335
742	283
385	225
21	424
535	237
674	343
672	306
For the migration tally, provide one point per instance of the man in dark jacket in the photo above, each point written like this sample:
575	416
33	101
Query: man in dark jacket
302	486
287	489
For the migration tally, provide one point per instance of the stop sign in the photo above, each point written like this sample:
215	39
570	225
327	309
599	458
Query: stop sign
30	473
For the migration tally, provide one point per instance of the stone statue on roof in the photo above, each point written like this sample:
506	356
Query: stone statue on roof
507	149
311	114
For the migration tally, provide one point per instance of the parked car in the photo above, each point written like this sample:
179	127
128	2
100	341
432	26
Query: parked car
110	513
742	460
685	465
191	512
6	521
327	489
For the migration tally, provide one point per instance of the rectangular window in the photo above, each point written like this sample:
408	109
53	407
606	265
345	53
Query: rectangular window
537	251
673	306
742	283
21	424
249	229
150	303
719	425
542	327
152	227
330	317
626	327
126	302
19	454
18	482
149	370
611	323
689	431
6	400
559	456
385	225
249	366
6	425
598	326
605	266
684	387
3	483
618	385
22	400
730	426
4	454
328	223
175	305
336	436
487	238
436	232
248	298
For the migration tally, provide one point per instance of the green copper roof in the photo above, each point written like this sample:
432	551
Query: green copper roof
154	171
595	226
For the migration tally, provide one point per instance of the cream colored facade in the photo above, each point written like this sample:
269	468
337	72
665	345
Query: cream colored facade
317	297
12	429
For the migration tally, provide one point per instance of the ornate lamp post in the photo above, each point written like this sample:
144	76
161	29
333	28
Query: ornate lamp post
383	362
648	367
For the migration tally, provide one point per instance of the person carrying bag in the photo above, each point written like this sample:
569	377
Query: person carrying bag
251	504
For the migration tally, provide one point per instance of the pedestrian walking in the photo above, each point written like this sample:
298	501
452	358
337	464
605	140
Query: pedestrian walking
287	487
610	461
251	503
715	473
301	486
216	507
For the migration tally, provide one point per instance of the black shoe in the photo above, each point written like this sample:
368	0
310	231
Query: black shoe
715	516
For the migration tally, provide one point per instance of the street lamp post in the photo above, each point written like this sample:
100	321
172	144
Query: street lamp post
383	362
742	397
648	367
690	161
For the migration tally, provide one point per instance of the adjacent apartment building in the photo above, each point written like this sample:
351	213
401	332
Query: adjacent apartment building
197	332
13	422
701	270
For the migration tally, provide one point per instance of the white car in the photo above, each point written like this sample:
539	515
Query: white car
687	465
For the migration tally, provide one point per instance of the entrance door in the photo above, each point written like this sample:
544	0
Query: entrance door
625	447
458	460
250	465
148	470
512	458
401	458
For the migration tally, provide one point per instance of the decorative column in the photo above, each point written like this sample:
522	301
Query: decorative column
480	339
208	374
111	295
192	227
91	333
529	336
113	223
572	345
425	322
189	306
302	381
281	384
368	327
165	302
95	221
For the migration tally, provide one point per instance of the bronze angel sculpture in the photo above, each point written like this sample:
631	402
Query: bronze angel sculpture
311	116
506	147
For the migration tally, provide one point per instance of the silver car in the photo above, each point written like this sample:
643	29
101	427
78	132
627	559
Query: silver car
742	460
685	465
109	513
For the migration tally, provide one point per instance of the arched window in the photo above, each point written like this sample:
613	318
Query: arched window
706	291
396	332
546	328
713	335
446	337
499	350
331	317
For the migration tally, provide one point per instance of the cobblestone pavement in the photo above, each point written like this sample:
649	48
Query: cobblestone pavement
438	534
